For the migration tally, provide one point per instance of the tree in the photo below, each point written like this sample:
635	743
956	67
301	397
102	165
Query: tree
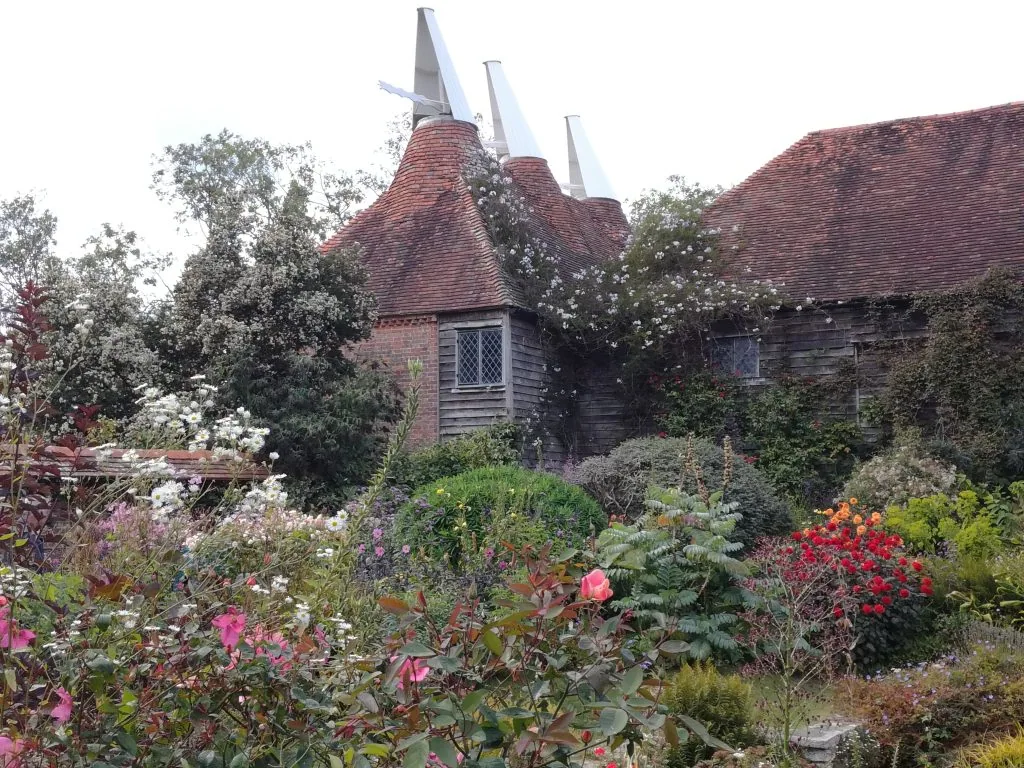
27	240
262	312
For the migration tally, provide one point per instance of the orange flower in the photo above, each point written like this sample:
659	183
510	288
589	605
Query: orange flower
857	519
853	500
876	516
862	529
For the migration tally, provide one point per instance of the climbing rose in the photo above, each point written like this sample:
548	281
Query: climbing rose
231	625
595	586
62	712
599	752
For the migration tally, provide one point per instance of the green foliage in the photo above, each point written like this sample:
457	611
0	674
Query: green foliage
722	703
1004	752
934	523
898	474
469	515
963	386
924	714
620	481
677	569
263	312
992	591
489	446
804	455
705	403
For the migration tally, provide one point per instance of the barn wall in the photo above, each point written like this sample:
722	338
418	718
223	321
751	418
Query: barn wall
393	342
464	409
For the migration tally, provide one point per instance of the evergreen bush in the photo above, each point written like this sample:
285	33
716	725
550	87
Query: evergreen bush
620	481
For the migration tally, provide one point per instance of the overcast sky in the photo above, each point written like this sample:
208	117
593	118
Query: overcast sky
710	90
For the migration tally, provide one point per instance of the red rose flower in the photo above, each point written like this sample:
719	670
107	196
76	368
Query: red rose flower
866	609
879	608
904	592
916	566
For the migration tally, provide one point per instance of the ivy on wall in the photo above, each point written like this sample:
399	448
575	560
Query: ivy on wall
962	384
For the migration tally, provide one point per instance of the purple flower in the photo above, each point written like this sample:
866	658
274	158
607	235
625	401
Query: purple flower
405	549
378	551
362	548
502	565
377	533
489	553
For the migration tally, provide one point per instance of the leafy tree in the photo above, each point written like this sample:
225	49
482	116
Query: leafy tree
100	325
262	312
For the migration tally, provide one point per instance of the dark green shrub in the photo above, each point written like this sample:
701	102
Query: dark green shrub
490	446
472	515
620	481
722	703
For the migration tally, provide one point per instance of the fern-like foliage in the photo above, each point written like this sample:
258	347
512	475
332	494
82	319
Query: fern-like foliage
676	568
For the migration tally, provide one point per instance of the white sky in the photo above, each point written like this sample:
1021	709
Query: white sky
710	90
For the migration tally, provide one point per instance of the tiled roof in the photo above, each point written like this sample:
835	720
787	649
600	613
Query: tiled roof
424	242
888	209
580	232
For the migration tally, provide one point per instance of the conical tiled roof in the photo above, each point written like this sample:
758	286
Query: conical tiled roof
424	242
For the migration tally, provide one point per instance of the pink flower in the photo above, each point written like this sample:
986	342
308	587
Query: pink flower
412	670
599	752
9	751
406	549
62	712
231	626
378	551
362	548
10	636
595	586
377	533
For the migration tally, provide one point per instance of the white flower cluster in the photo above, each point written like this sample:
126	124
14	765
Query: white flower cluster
185	418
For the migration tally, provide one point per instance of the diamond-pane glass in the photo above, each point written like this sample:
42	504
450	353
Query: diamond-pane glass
469	357
491	362
746	357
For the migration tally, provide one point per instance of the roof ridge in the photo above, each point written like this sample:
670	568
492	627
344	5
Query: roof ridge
915	118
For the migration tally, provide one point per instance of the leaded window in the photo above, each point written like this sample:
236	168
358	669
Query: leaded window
739	355
480	357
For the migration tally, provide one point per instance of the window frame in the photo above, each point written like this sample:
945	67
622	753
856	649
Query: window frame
479	331
720	344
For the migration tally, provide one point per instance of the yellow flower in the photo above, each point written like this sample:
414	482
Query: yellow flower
853	500
858	519
862	529
461	505
440	491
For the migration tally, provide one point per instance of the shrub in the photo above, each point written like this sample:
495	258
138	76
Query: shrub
620	481
1006	752
899	474
676	568
490	446
473	515
722	703
924	713
945	524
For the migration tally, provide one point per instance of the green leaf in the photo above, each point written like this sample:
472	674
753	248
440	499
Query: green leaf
493	643
445	752
408	741
472	702
11	679
416	755
702	733
674	646
375	750
416	649
612	721
239	761
632	680
127	742
336	762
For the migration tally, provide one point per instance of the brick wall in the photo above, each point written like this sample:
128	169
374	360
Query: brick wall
395	341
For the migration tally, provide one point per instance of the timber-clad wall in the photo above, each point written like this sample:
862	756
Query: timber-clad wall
464	409
842	340
532	376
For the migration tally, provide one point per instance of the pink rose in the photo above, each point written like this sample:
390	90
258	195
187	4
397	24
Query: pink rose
9	751
10	636
595	586
62	712
231	626
411	670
